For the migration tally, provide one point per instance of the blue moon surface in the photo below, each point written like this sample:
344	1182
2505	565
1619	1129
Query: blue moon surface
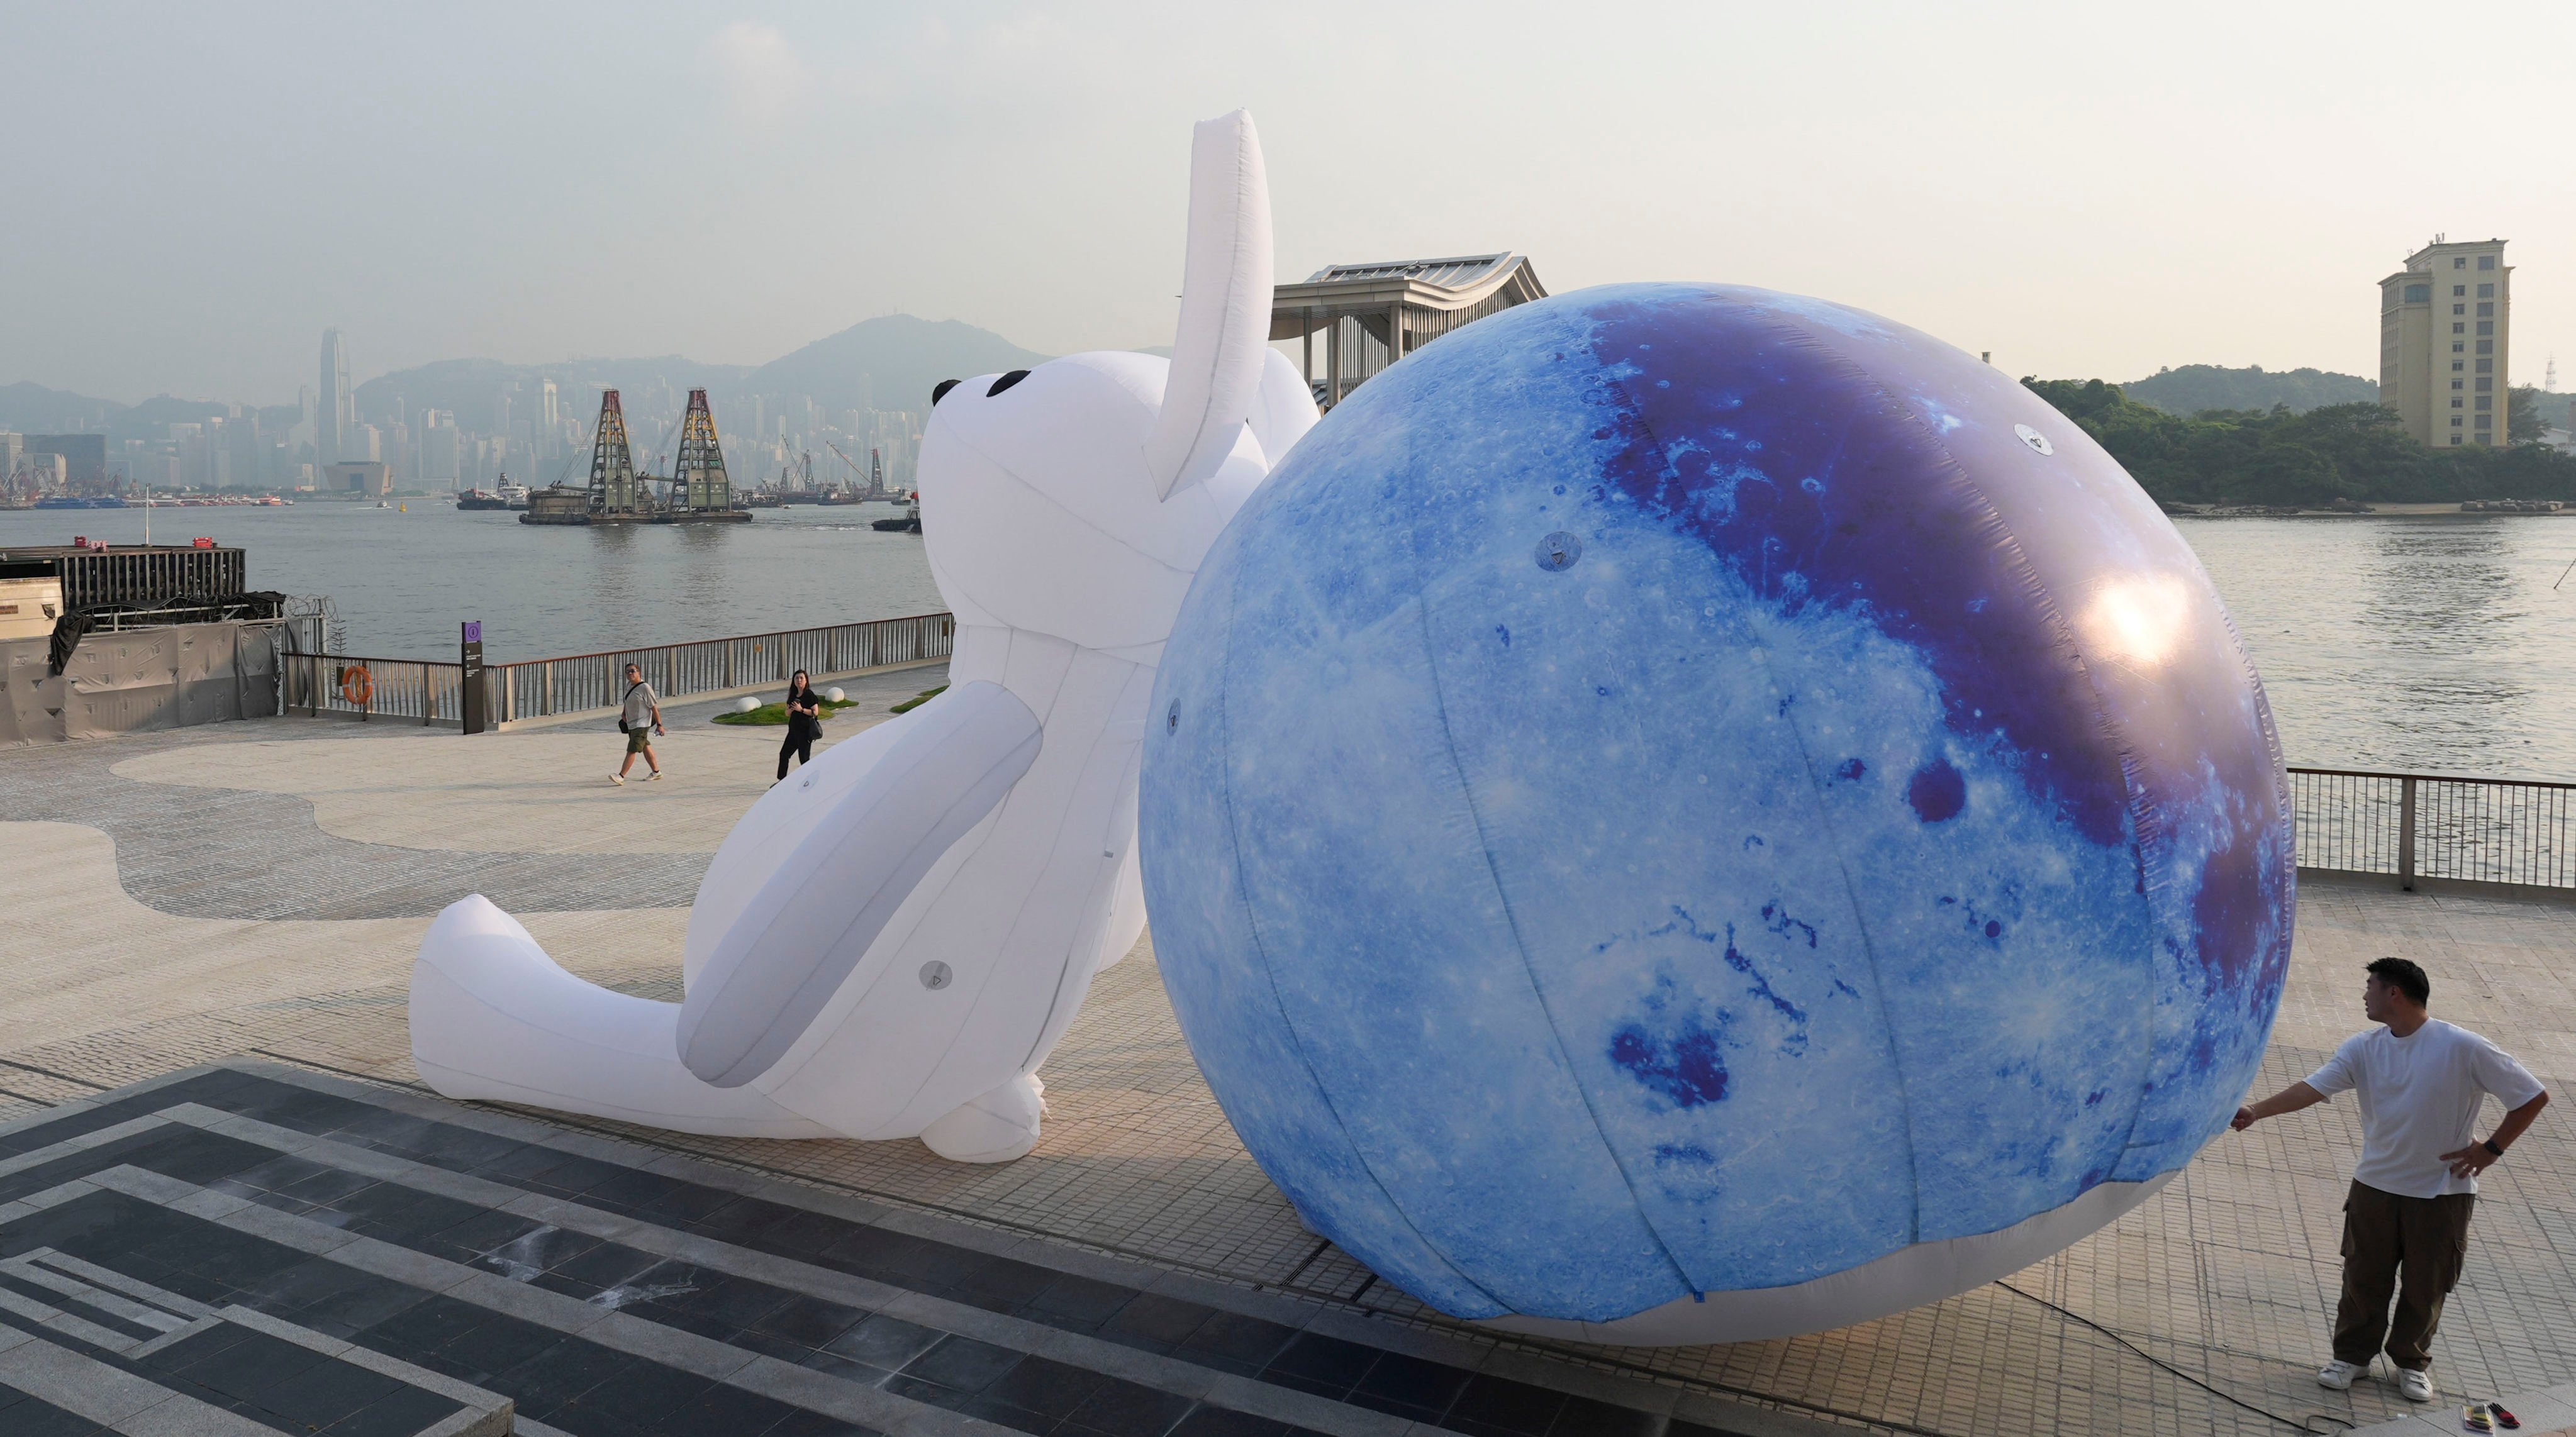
1675	789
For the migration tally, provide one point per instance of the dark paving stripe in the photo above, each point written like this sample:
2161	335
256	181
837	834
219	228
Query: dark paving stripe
769	1319
580	1386
25	1416
253	1375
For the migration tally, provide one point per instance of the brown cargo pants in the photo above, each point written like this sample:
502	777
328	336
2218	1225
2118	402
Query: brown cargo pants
2386	1236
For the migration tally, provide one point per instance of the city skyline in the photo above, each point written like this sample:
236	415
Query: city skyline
2078	194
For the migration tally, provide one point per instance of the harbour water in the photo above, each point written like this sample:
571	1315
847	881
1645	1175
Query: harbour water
2425	644
401	581
2428	644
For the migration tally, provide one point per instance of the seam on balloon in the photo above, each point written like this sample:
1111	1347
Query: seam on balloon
2289	874
982	830
999	804
1511	920
991	821
1269	973
1041	496
768	919
2046	601
1029	1060
1868	946
1868	949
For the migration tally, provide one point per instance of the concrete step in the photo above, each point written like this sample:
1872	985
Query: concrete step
609	1290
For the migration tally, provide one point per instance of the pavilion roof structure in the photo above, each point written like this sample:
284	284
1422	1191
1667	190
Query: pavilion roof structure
1374	314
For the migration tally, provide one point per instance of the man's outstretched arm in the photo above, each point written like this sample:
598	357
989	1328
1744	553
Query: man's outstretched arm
2288	1100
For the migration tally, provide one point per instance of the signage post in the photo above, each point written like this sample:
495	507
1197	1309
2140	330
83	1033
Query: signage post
470	689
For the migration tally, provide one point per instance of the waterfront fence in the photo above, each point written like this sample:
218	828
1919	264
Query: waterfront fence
432	693
2406	826
2411	826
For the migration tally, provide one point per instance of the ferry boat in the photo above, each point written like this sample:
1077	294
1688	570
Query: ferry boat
506	496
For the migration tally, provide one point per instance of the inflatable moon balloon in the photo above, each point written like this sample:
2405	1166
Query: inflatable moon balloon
890	943
1686	814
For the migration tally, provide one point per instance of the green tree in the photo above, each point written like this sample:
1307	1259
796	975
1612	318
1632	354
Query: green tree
2273	456
2522	421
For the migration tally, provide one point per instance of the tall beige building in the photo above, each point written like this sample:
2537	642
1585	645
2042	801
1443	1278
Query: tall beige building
2443	325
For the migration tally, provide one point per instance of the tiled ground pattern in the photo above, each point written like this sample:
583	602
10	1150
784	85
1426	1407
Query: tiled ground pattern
230	853
2229	1275
602	1247
233	854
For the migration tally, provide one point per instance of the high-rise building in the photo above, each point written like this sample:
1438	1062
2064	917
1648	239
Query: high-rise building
242	433
2444	324
440	453
84	458
336	404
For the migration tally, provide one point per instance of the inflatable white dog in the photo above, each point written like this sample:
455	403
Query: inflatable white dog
890	943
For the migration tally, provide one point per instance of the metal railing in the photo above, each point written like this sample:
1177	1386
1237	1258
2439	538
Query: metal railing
420	691
2412	826
430	693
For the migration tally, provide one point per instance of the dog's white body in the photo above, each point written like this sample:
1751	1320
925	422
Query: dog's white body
891	942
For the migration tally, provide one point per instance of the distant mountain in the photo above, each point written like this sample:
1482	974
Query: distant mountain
891	362
2197	387
471	388
33	409
886	363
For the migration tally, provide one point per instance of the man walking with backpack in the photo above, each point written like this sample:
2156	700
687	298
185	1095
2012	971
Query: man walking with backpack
2419	1082
639	719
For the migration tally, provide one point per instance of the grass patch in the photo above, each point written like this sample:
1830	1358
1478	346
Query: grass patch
776	714
917	700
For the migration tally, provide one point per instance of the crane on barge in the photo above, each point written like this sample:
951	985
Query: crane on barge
698	491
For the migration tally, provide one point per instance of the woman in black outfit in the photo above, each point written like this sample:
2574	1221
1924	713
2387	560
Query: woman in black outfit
804	723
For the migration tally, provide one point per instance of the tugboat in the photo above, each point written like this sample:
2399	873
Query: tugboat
910	523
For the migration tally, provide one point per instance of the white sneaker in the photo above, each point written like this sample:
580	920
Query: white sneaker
655	774
2338	1375
617	778
2414	1386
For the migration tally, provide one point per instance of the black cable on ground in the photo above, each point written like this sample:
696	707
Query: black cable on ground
2303	1424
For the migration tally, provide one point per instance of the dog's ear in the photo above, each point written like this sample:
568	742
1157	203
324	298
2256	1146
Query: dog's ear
1220	347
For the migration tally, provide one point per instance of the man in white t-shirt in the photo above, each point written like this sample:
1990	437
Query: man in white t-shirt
2419	1082
639	717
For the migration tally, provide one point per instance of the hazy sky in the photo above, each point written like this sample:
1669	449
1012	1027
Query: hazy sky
193	192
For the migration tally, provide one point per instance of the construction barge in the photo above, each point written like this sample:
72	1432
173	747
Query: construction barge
697	491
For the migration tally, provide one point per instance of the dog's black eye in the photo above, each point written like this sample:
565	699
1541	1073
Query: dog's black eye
940	390
1005	382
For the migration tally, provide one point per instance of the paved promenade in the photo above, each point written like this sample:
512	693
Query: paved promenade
255	891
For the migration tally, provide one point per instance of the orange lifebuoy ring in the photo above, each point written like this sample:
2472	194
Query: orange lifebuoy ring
357	685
